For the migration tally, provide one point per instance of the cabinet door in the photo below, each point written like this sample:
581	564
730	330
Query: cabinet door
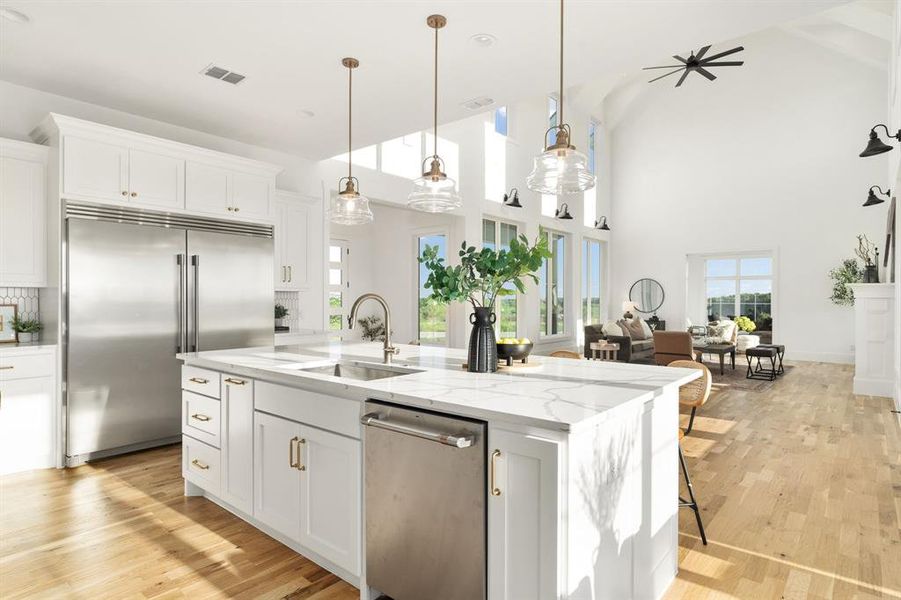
156	179
237	442
295	224
23	254
207	189
279	232
27	424
522	517
276	476
330	496
94	170
250	195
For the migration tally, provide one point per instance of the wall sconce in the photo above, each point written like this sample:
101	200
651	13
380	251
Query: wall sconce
872	199
511	199
601	224
563	213
875	145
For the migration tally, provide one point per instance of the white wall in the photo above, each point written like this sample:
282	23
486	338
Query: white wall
764	158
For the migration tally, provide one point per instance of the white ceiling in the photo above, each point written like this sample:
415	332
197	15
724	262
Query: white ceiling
145	57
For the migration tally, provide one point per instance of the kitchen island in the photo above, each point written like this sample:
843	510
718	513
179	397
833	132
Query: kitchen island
582	481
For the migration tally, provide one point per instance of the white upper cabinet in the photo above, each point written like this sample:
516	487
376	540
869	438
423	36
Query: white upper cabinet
23	223
94	170
294	218
108	165
156	179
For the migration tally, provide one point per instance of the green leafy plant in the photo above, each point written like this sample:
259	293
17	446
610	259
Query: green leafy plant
27	325
280	311
745	324
848	272
483	275
373	329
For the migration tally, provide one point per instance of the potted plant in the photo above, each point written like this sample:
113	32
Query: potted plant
480	278
848	272
745	324
869	254
27	330
280	313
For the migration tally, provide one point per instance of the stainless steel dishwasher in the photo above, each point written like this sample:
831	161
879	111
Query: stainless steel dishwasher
425	504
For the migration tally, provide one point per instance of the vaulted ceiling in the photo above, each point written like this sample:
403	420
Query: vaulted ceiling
146	57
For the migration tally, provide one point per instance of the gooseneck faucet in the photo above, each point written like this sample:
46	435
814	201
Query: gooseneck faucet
389	350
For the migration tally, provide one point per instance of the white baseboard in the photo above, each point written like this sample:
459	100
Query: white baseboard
873	387
829	357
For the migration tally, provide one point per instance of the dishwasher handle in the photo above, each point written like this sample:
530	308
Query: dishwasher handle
456	441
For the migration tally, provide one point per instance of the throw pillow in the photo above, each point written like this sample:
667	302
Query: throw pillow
648	333
635	330
613	328
625	327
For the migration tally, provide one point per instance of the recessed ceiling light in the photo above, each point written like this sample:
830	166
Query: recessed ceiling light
13	15
477	103
305	114
483	39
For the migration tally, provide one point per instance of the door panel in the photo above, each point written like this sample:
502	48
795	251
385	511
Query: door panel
207	189
276	482
123	308
156	179
23	248
94	170
250	195
237	442
231	284
296	223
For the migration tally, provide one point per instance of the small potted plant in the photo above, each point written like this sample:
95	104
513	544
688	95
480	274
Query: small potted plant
745	324
849	272
869	254
280	313
27	330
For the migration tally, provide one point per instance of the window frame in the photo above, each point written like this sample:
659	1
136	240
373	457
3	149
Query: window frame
587	241
342	288
565	236
498	222
417	235
737	278
506	131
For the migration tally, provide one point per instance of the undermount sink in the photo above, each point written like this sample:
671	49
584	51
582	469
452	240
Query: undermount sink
359	371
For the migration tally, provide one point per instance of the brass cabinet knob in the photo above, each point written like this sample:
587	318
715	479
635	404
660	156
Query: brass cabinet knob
237	209
124	193
134	194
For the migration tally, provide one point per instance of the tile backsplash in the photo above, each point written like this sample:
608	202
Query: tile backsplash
26	298
291	301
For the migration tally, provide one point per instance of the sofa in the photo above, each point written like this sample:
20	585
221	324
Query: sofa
630	350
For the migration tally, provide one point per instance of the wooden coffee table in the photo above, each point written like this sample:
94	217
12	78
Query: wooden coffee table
721	349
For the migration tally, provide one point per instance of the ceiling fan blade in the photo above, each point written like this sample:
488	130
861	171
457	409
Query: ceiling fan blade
728	63
722	54
667	75
702	52
684	75
664	67
680	59
706	73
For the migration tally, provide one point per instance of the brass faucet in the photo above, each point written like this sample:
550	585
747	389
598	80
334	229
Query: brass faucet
389	350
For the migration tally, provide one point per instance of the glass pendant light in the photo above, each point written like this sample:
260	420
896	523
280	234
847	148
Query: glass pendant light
435	192
349	207
560	169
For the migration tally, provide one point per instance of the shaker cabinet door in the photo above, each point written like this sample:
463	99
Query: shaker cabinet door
23	223
276	474
250	195
207	189
237	442
94	170
156	179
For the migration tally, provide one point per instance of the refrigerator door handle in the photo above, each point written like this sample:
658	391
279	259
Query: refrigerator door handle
180	305
195	263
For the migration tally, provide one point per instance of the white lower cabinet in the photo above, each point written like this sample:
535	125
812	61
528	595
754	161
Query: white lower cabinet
276	473
27	410
330	496
522	516
237	442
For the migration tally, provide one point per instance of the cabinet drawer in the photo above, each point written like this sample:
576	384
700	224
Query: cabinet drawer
23	367
200	381
200	464
326	412
200	417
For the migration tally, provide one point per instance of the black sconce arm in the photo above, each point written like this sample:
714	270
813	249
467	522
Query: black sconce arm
881	191
888	133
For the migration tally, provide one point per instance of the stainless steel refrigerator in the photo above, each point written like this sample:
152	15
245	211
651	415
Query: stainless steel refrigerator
141	286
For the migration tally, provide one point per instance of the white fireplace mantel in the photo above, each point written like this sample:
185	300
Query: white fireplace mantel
874	353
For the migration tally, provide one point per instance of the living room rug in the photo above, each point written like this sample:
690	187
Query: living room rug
737	379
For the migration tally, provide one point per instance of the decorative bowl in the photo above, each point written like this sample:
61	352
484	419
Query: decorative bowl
511	352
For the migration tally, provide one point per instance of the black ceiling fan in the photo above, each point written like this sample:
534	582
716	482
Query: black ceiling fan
699	64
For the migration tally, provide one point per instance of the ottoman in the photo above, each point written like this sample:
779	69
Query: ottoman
780	351
745	341
760	371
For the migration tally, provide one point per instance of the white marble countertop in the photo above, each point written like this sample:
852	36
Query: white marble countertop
556	393
26	348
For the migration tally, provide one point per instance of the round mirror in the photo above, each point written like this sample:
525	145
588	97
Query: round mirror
647	294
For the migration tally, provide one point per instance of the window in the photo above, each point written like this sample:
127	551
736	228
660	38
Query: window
500	120
364	157
403	156
551	112
495	164
432	314
592	157
741	285
551	288
338	255
591	282
497	236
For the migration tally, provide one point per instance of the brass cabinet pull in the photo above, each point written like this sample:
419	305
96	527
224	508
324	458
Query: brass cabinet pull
7	367
200	417
300	467
291	443
495	491
234	381
200	380
200	465
284	273
290	274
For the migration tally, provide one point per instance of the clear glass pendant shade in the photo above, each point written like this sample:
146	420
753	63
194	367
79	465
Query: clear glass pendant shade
434	192
350	208
560	171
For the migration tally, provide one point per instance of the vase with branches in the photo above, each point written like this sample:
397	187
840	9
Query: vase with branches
869	254
481	277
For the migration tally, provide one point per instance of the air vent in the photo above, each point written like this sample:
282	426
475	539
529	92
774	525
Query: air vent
478	103
223	74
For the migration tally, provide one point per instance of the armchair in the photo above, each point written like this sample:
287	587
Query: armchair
673	345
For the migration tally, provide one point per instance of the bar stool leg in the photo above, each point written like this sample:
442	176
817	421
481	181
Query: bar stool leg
691	419
692	503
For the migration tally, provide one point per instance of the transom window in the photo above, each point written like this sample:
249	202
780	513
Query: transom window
432	321
497	235
551	286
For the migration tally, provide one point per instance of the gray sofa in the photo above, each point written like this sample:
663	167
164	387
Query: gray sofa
641	351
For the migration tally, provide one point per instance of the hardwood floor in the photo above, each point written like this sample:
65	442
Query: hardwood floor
799	486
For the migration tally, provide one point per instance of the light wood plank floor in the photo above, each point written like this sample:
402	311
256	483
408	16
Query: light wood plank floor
800	489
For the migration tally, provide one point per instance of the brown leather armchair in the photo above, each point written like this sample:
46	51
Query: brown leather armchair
673	345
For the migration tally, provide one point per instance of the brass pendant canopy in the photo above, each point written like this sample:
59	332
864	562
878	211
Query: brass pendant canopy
349	207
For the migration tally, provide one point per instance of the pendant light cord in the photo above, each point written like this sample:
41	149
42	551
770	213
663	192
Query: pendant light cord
560	108
350	96
435	109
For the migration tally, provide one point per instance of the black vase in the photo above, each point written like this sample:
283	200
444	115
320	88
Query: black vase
871	274
482	344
